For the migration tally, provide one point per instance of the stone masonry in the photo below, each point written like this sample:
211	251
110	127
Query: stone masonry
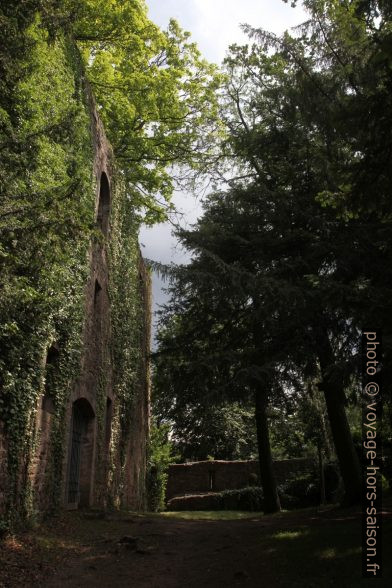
85	471
215	476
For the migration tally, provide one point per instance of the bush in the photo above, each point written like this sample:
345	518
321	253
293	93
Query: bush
159	458
250	498
300	491
304	489
288	502
211	501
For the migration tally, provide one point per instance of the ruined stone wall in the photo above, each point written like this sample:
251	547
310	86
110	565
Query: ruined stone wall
215	476
91	386
135	496
111	464
106	451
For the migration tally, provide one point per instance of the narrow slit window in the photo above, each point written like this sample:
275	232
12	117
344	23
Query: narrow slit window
51	369
104	204
97	293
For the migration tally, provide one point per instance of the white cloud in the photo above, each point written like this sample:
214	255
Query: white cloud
214	25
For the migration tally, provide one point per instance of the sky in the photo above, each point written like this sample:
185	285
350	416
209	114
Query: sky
214	25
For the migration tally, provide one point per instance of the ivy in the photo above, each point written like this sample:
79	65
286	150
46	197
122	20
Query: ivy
128	324
48	192
160	456
46	213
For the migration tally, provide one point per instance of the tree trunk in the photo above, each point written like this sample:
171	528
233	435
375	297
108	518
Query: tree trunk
335	400
321	472
343	441
267	477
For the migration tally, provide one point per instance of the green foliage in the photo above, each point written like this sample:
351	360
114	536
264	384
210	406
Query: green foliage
200	428
247	499
299	425
156	95
47	208
157	98
160	456
300	491
243	499
203	515
287	261
303	490
47	222
128	314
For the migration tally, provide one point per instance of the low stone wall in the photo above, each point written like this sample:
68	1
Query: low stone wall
215	476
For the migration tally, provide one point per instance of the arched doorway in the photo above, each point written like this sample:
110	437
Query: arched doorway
104	204
81	453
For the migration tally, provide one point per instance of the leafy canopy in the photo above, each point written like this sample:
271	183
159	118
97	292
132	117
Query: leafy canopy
156	95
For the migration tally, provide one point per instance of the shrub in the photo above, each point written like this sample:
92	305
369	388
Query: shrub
300	491
304	489
159	458
211	501
250	498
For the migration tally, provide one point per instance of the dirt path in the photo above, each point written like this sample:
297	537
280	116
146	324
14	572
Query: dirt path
167	553
308	549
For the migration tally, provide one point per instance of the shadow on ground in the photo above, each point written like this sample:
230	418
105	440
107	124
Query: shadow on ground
309	548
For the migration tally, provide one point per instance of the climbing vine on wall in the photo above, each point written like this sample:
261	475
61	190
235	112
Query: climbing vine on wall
47	224
46	213
128	320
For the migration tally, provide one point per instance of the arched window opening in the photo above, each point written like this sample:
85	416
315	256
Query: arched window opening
80	453
104	204
53	354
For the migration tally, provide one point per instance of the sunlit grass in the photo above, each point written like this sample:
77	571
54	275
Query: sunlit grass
211	515
50	542
329	553
313	554
333	553
290	534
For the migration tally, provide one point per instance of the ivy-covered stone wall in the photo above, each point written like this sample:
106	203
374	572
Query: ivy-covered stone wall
74	303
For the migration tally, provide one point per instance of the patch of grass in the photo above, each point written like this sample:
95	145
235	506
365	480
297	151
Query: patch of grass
211	515
228	515
321	555
289	534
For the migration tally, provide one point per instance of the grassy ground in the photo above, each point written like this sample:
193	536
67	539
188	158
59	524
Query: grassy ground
322	553
233	515
211	515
